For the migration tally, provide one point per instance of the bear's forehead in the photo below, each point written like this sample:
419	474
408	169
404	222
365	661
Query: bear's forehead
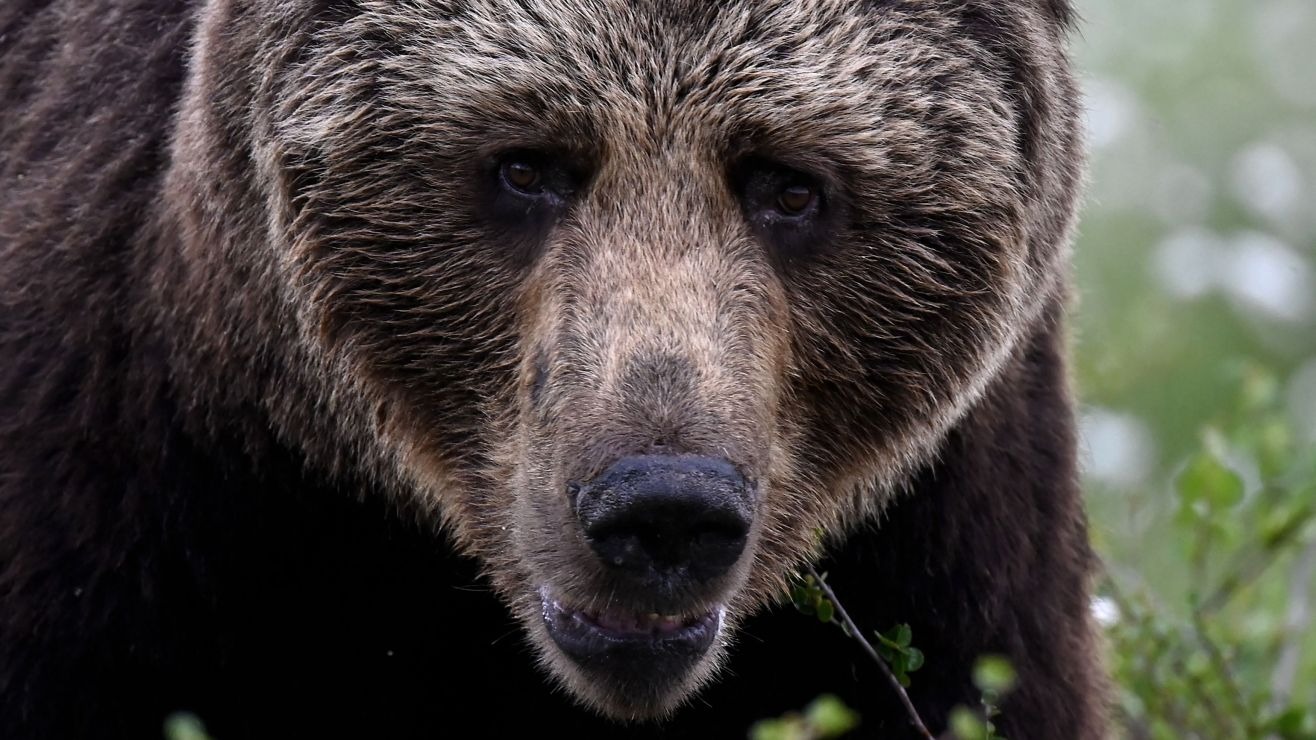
822	72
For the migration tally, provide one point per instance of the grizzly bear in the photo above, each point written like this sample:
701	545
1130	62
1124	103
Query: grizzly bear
411	368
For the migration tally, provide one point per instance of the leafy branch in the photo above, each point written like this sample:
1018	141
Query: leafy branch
815	596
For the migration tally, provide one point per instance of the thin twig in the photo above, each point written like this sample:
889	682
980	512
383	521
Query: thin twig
914	718
1246	570
1248	566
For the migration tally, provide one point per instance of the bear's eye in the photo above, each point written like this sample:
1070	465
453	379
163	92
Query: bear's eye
795	199
773	192
542	178
524	193
522	175
788	210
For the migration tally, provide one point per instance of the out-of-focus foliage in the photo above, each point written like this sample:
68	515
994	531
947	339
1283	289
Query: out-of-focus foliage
1196	344
1232	657
995	678
826	717
184	726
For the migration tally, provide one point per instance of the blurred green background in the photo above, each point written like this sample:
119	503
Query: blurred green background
1195	333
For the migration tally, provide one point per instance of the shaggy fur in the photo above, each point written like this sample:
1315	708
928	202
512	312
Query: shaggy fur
267	327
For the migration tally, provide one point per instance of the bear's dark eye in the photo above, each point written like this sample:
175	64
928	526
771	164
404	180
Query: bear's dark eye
772	192
522	175
526	192
529	179
795	199
787	209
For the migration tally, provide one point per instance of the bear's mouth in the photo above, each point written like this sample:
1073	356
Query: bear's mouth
618	638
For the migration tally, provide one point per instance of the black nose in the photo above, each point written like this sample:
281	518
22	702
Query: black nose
664	515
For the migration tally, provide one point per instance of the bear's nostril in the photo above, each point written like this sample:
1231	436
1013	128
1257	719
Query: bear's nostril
680	516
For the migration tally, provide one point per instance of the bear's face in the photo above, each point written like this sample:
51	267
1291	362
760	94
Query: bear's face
643	297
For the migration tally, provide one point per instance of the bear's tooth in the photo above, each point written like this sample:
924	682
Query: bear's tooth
669	624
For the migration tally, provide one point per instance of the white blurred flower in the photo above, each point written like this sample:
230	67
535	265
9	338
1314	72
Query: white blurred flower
1188	262
1111	110
1115	448
1105	611
1267	276
1260	273
1267	181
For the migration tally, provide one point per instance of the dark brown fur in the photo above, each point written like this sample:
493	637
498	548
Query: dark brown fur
264	331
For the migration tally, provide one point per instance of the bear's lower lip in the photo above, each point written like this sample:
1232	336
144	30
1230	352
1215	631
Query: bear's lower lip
619	638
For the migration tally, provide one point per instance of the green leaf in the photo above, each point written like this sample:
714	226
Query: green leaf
184	726
904	635
1207	480
898	667
826	611
994	673
802	599
966	725
1293	723
915	659
830	717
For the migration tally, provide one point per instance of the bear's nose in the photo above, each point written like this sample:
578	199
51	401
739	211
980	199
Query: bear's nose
666	516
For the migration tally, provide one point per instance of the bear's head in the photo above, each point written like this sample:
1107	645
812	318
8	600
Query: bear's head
638	298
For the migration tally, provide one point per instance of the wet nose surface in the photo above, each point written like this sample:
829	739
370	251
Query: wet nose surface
667	516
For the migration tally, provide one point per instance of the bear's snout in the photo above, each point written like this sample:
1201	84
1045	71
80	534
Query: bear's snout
666	521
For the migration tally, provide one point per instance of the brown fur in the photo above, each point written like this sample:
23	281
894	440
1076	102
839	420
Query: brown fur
286	253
